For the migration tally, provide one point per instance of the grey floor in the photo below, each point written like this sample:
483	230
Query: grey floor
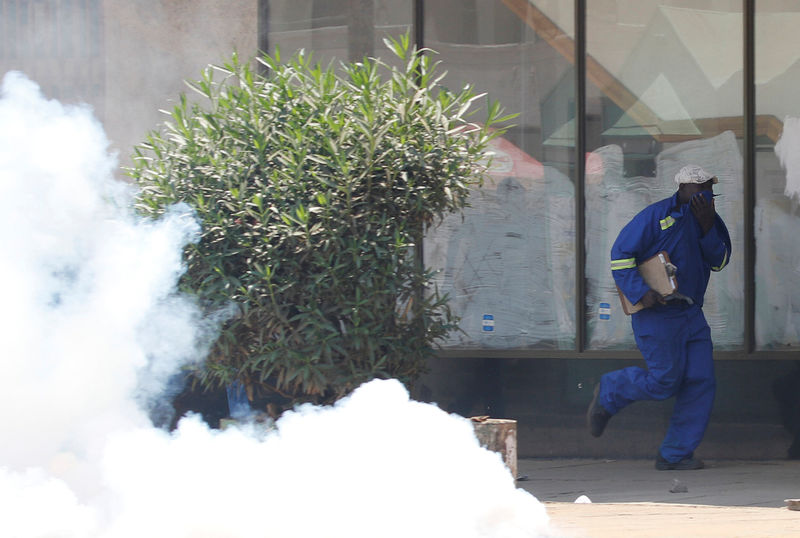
721	483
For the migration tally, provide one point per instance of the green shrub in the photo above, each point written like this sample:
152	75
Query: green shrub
313	188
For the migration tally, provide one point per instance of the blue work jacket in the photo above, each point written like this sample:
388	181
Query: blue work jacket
668	225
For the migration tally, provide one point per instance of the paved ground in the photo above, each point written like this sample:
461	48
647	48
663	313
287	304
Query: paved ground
631	498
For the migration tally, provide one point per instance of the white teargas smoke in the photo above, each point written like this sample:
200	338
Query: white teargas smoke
786	150
92	326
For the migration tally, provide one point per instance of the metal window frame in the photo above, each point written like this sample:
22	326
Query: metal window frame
748	350
580	176
749	172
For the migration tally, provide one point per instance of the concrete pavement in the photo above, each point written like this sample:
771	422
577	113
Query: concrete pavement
721	483
630	498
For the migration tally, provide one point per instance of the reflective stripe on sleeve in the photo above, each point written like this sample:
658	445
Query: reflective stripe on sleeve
723	264
667	222
626	263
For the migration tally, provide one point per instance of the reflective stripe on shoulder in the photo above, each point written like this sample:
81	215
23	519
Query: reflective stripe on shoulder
667	222
723	264
626	263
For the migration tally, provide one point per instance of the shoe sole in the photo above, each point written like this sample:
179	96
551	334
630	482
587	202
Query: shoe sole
666	466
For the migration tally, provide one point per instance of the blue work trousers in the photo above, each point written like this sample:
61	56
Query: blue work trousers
676	344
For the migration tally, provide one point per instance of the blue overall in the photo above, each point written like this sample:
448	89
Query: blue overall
674	339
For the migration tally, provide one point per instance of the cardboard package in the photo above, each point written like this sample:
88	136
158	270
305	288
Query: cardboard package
659	274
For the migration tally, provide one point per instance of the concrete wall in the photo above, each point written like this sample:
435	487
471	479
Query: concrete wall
125	58
549	398
152	46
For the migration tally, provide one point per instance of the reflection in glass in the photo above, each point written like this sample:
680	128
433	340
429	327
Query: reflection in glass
508	264
664	90
777	211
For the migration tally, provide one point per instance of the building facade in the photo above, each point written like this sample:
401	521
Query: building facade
612	97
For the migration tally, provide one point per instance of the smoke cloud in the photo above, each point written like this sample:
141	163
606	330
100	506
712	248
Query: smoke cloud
92	327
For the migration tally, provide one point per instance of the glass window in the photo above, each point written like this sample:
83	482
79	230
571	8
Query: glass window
336	30
664	89
777	160
508	264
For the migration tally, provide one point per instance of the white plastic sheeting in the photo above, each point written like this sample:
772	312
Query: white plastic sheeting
612	200
777	223
787	151
724	300
508	262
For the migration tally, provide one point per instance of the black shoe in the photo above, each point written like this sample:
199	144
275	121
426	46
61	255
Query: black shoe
597	417
686	464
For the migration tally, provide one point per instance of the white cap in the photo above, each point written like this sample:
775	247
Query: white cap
693	174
